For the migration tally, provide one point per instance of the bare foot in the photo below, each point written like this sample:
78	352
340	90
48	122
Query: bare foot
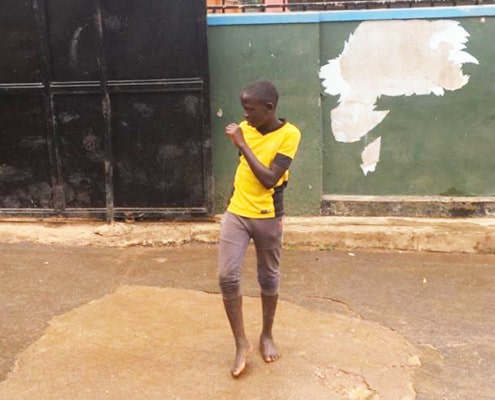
242	352
268	349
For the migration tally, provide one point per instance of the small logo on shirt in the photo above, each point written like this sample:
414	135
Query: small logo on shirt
265	211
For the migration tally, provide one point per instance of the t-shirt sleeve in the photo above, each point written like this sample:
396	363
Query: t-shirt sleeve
290	144
282	161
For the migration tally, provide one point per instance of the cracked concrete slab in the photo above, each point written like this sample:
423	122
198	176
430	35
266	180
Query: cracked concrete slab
155	343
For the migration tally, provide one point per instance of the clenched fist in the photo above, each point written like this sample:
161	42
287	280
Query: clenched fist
234	133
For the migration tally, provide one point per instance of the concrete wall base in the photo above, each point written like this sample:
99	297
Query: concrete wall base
407	206
459	235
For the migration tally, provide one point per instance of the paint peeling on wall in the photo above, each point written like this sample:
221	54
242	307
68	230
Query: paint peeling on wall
391	58
371	155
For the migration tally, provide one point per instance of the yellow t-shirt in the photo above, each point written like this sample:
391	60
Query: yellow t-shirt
250	198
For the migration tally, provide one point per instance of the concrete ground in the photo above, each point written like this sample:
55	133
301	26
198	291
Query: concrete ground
117	312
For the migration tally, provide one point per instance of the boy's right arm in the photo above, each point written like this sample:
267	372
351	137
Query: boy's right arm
267	176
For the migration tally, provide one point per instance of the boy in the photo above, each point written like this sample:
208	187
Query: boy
267	145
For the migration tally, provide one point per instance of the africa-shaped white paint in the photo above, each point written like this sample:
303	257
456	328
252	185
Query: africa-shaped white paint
351	121
392	58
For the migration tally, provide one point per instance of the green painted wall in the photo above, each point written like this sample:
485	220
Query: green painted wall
431	144
289	56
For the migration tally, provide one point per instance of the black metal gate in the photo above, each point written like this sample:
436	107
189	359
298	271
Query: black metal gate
104	108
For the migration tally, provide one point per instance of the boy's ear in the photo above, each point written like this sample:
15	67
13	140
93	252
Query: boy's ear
270	106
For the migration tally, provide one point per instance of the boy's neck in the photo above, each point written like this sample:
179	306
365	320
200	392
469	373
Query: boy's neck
271	125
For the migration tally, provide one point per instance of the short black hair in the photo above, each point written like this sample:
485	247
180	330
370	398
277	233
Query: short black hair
263	91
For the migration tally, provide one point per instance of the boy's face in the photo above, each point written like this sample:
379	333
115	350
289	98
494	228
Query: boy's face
256	113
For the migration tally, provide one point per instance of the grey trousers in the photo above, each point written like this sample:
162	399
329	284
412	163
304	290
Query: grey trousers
235	235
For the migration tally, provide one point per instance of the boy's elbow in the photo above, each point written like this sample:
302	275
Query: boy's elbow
269	180
269	183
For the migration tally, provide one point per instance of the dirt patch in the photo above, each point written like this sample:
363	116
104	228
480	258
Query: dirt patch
156	343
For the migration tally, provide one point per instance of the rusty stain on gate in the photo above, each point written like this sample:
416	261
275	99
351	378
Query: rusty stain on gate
104	109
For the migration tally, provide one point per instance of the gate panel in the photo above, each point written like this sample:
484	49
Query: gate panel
24	168
80	135
72	38
103	108
158	158
19	45
154	39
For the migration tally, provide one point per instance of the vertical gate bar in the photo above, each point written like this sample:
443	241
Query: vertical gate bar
55	162
107	112
208	183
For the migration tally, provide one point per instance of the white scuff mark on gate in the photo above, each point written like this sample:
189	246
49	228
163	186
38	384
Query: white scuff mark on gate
74	43
66	117
392	58
144	109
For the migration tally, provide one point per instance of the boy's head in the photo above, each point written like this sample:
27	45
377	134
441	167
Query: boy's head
259	101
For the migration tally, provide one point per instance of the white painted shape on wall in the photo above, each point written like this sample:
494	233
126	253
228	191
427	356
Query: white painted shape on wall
392	58
333	81
371	156
352	121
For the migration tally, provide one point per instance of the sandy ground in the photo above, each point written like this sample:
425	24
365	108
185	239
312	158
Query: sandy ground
147	322
156	343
